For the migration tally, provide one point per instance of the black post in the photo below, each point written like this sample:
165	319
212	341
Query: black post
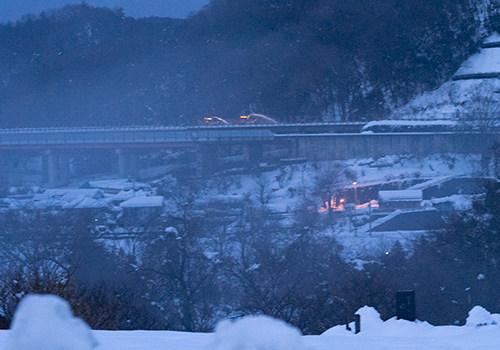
405	305
357	322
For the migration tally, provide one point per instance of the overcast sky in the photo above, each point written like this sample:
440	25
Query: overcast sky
13	10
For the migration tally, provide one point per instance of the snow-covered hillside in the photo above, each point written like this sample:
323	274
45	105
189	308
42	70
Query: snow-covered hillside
280	190
472	94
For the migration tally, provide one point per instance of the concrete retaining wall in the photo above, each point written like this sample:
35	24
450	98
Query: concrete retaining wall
346	146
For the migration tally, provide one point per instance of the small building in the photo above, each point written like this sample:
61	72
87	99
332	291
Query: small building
117	185
405	199
414	220
449	186
143	207
69	199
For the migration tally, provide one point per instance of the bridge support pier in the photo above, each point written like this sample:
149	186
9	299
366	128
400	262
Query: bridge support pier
55	168
127	164
207	161
253	154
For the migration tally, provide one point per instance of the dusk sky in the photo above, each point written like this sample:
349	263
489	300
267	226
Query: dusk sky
13	10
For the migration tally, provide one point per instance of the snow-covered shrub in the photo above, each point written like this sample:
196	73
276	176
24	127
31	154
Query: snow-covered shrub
369	315
256	333
370	319
45	322
479	316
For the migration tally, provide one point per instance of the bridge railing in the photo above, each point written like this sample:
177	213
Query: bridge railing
126	135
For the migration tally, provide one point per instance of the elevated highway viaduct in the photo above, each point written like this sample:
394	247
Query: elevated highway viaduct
310	142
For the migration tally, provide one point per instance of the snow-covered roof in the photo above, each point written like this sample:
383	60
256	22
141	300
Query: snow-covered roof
141	202
492	39
459	201
69	194
70	198
118	184
409	220
85	202
399	196
430	183
124	195
14	204
235	198
487	61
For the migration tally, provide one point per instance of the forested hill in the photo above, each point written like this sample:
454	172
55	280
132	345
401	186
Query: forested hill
294	60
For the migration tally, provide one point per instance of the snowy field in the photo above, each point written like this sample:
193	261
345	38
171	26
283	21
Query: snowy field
392	334
46	323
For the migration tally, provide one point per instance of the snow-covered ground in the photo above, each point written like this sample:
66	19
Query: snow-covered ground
465	99
453	100
284	185
263	333
280	190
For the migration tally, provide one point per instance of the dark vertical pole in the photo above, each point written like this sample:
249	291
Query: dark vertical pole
357	321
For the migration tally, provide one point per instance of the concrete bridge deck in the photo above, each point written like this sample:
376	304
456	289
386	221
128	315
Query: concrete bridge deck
159	136
312	142
125	137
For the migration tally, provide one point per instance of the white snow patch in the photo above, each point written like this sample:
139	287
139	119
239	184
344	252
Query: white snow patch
141	202
403	195
486	61
479	316
256	333
119	184
45	322
493	38
370	317
459	201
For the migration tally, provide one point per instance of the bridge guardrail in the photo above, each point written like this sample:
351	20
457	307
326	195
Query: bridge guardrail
49	136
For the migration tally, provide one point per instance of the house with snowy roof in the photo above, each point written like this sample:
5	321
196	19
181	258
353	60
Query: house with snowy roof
409	220
143	207
69	194
14	204
117	185
69	199
452	185
399	199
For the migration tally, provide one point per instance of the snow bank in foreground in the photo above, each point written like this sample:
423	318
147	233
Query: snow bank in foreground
372	324
375	334
256	333
45	322
479	316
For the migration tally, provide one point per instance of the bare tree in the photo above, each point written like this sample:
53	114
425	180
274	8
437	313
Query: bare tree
264	192
483	110
327	180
